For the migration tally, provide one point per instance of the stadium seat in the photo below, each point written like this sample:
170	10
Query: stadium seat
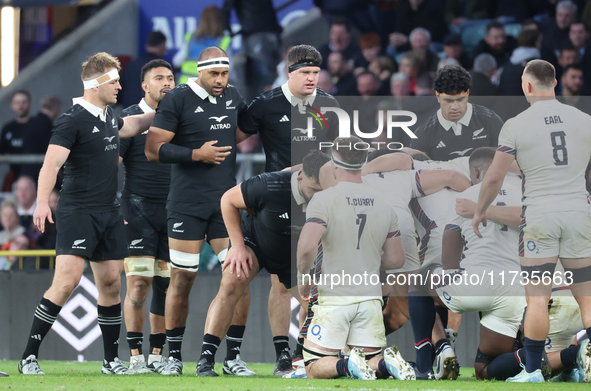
472	34
513	29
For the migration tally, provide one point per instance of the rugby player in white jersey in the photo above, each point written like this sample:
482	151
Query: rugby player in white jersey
551	142
350	226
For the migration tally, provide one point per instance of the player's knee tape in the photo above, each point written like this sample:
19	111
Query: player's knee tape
222	256
184	261
159	287
139	266
162	268
536	272
579	275
314	354
482	358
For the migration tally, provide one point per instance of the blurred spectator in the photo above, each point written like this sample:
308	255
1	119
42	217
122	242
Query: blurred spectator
367	84
371	46
485	66
10	222
340	40
325	82
424	86
571	81
131	90
411	14
342	78
496	43
383	68
409	66
400	89
530	24
25	192
19	243
459	11
420	39
529	42
360	13
51	107
24	135
568	55
556	30
209	32
447	62
452	46
578	35
261	42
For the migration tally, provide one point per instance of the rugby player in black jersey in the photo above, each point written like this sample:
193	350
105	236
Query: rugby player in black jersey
88	221
270	115
143	206
195	129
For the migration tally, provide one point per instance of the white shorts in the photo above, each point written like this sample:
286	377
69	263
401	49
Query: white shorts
359	324
562	234
409	241
565	321
502	306
146	267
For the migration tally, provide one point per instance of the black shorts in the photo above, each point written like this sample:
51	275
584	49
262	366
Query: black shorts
146	229
97	236
283	271
207	221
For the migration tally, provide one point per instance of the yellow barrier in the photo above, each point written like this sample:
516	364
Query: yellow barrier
21	254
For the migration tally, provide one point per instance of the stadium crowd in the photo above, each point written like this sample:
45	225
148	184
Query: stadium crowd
416	214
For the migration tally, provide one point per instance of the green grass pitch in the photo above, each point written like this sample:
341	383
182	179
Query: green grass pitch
68	375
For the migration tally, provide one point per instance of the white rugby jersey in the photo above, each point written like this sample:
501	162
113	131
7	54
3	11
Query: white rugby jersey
396	188
498	249
552	144
357	225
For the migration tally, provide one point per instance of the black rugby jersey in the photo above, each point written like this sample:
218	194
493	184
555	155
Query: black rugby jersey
284	140
90	172
191	114
142	177
269	196
442	145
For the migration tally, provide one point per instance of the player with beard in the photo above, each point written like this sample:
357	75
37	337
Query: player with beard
143	206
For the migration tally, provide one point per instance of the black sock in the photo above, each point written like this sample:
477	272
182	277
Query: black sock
506	365
157	342
440	345
210	346
443	314
568	357
342	367
109	320
299	350
135	341
589	333
534	350
234	341
281	343
422	318
174	338
382	368
45	314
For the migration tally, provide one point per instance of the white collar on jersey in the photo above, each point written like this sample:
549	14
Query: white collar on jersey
294	100
144	106
92	109
295	191
200	91
457	128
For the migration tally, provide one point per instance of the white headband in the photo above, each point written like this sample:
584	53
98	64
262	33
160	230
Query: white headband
99	81
218	62
346	166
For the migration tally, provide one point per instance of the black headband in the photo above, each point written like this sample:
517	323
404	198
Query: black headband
298	65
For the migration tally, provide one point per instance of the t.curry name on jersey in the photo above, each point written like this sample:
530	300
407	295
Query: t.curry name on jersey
360	201
219	125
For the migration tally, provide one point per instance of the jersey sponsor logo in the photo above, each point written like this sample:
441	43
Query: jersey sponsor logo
476	134
77	244
462	153
109	139
110	146
284	119
95	130
176	226
441	145
219	119
284	216
199	109
135	242
303	138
